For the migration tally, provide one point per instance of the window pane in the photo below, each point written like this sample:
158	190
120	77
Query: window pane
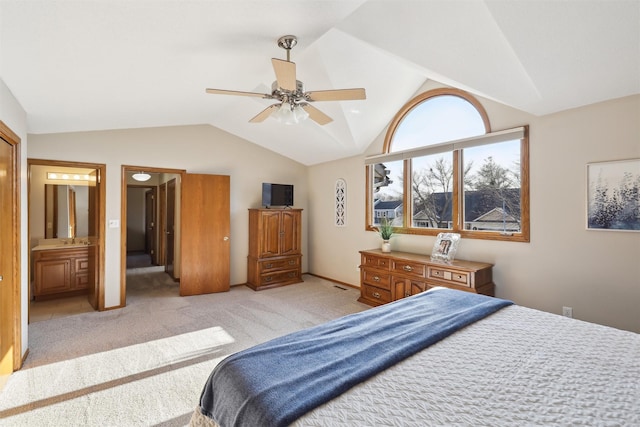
431	191
388	192
492	187
435	120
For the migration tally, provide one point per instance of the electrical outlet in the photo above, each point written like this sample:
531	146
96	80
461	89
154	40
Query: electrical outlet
567	311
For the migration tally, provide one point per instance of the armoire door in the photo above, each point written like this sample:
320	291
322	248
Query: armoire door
289	232
270	232
204	234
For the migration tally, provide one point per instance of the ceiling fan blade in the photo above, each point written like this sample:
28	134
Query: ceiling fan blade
262	116
336	95
316	115
236	92
285	74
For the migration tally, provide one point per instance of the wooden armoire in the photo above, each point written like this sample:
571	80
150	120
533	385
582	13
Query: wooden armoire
274	248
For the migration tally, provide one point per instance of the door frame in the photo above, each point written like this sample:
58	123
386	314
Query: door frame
125	170
101	170
16	304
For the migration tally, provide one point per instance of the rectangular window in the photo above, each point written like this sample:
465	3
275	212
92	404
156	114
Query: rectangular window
432	191
478	187
492	187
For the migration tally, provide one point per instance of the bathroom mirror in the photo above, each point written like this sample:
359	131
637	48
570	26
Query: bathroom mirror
66	211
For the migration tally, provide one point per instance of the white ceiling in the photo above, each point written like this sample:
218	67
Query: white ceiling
104	64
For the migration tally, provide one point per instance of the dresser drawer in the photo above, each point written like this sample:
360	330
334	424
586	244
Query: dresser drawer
456	277
375	294
376	278
408	268
279	264
374	261
281	277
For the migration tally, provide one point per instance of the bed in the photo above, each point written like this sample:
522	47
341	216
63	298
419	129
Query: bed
442	357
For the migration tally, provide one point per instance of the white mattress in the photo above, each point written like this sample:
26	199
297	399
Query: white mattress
517	367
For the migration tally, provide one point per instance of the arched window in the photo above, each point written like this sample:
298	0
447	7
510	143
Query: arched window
443	169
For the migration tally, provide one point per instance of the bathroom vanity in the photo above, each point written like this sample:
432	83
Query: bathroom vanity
60	270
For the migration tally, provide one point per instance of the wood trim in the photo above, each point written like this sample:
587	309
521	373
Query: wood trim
14	141
332	280
123	219
414	102
101	169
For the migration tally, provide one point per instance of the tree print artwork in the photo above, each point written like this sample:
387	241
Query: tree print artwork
614	195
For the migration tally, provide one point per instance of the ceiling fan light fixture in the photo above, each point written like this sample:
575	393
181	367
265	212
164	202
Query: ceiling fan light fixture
290	114
293	101
141	176
299	114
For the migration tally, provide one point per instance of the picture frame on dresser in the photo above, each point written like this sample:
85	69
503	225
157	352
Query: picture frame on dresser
445	247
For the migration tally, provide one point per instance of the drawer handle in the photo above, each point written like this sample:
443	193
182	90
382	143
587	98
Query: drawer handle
268	279
407	268
292	274
376	279
292	262
436	273
460	276
376	295
269	265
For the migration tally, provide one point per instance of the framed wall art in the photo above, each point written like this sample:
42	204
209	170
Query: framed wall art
613	195
341	203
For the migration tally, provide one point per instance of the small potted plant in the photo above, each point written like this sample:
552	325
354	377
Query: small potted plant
386	231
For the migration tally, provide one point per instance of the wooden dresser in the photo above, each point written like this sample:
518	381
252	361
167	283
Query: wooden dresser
386	277
274	248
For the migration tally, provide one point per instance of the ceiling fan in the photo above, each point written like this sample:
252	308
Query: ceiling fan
293	102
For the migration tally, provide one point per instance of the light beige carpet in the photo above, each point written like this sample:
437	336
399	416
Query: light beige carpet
145	364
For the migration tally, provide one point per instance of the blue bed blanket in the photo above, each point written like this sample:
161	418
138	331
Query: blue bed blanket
274	383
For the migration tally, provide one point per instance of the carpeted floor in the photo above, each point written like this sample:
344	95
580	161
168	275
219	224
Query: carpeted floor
138	260
145	364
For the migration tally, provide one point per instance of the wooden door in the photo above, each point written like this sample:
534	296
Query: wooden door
170	229
162	226
9	258
93	293
290	232
150	224
204	236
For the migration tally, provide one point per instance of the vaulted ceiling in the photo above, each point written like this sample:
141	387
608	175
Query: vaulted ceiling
103	64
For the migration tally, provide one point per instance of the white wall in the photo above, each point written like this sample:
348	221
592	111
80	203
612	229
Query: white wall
595	272
136	229
198	149
14	116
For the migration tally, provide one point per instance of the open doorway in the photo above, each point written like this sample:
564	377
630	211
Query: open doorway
66	238
142	227
150	220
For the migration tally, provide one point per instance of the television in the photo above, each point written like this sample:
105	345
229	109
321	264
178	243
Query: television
277	194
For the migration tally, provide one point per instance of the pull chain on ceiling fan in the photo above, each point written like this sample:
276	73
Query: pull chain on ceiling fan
293	105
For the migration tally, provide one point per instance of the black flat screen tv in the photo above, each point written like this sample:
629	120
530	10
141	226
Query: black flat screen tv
277	194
